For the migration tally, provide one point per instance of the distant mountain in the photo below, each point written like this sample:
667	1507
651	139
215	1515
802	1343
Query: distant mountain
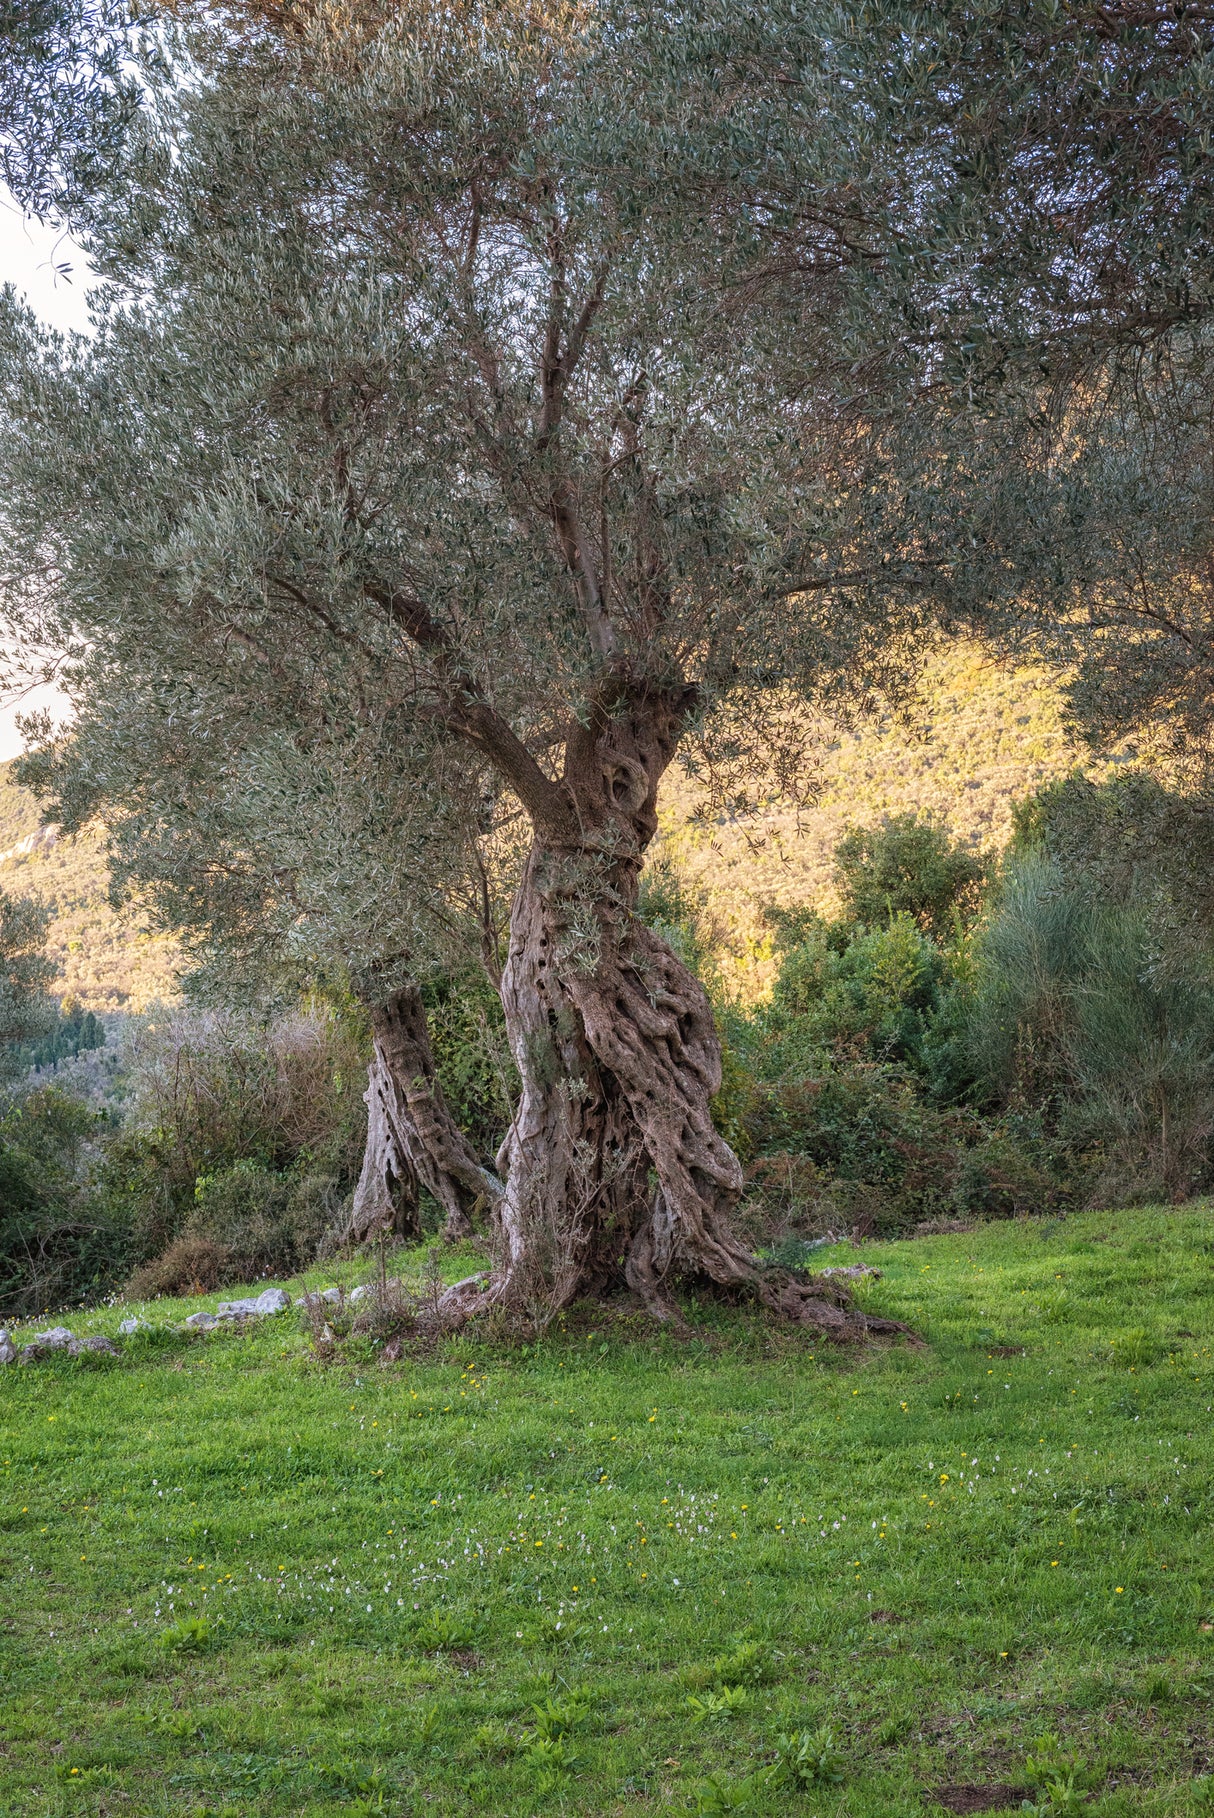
107	961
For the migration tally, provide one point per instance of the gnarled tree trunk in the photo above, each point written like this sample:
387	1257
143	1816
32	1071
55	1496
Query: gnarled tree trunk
412	1139
614	1171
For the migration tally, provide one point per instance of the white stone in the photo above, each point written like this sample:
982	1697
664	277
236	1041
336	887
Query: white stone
361	1292
55	1338
236	1309
273	1300
8	1350
200	1322
129	1327
96	1343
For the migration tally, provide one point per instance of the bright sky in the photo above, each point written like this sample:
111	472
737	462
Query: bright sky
33	258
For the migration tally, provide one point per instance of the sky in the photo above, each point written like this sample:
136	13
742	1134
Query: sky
29	257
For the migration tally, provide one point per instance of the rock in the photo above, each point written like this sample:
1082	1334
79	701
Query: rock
321	1297
372	1287
8	1350
96	1343
130	1327
273	1300
200	1322
56	1338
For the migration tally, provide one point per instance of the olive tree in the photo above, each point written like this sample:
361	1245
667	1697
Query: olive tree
436	362
282	864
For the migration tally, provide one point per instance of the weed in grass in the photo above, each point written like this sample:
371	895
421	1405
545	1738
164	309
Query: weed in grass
492	1739
189	1635
720	1795
449	1633
749	1664
345	1779
425	1724
549	1631
1058	1798
547	1755
809	1758
557	1716
720	1706
1051	1761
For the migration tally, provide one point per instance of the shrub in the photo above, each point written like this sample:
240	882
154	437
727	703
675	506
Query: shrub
59	1243
472	1055
862	994
190	1265
908	865
1078	1007
240	1134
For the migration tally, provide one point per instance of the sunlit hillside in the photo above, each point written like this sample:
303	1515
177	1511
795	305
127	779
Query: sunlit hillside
107	960
988	735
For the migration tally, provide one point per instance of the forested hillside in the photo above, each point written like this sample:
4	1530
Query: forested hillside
108	961
986	735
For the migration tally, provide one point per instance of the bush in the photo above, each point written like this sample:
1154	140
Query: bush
269	1223
472	1055
856	994
59	1242
848	1095
908	865
1080	1009
190	1265
240	1135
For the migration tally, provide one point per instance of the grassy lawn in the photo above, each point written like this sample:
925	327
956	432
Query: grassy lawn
944	1555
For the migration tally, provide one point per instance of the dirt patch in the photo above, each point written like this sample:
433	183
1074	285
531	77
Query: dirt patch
466	1659
996	1798
883	1616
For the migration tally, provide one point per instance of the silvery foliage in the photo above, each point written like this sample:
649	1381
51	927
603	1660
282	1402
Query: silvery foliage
387	313
277	858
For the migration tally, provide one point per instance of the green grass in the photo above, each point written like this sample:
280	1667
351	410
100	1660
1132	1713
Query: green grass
239	1580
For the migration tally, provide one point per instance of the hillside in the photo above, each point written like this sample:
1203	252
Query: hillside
107	960
993	734
989	735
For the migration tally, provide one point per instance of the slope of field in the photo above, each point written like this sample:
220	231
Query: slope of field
988	735
106	960
241	1581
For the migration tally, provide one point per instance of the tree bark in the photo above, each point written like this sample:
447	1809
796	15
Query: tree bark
615	1173
412	1139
